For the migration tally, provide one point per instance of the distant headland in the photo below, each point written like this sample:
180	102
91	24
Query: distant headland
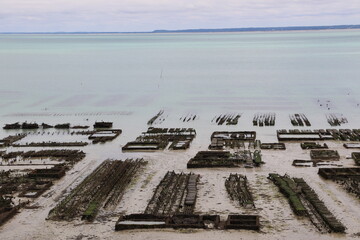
261	29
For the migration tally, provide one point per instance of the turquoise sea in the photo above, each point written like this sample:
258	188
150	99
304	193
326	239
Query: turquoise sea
136	75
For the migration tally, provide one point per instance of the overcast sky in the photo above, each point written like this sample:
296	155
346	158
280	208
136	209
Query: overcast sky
148	15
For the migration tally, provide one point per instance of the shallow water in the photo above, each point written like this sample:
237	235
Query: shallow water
283	72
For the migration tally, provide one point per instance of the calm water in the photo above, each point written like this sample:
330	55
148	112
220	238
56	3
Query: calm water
139	74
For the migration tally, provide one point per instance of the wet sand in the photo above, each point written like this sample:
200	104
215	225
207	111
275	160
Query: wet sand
54	80
277	219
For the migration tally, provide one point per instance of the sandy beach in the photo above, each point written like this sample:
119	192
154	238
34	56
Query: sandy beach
276	217
128	78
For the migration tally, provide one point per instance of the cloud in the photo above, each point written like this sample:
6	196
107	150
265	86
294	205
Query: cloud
147	15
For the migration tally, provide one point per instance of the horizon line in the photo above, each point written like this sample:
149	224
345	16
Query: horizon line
204	30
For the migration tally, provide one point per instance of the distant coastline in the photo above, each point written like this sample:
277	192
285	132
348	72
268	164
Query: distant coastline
261	29
215	30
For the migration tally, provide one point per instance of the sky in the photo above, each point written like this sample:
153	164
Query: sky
148	15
